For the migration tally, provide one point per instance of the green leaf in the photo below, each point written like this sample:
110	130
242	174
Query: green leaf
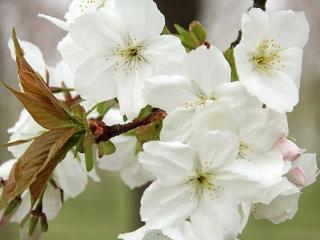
150	132
198	30
106	148
105	106
12	207
33	224
79	114
229	55
145	112
89	150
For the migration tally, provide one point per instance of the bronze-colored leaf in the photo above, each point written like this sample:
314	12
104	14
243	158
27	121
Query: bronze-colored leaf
15	143
41	151
44	114
56	154
36	92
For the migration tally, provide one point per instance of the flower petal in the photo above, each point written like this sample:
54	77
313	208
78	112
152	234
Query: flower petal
216	149
169	92
171	162
163	207
177	126
141	17
290	29
207	68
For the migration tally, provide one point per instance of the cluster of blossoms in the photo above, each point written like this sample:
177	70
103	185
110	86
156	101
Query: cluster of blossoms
207	129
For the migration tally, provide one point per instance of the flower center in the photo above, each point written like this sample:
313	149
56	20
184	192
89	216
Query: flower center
244	151
129	57
202	100
266	58
200	182
85	5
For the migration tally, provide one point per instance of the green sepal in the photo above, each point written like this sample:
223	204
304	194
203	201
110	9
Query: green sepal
106	148
89	150
229	55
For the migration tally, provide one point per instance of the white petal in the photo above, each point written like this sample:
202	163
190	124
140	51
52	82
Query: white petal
124	154
141	17
162	207
71	177
171	162
291	59
281	209
177	126
181	232
217	218
5	169
51	202
207	68
261	128
135	176
129	90
216	149
56	21
236	95
94	79
247	184
290	29
255	29
72	53
106	31
278	92
165	53
308	162
216	116
169	92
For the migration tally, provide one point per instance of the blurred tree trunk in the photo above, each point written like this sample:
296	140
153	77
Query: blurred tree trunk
181	12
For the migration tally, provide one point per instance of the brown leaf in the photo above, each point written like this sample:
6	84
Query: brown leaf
41	112
15	143
36	92
56	154
37	157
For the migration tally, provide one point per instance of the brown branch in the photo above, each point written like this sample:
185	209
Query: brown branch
104	132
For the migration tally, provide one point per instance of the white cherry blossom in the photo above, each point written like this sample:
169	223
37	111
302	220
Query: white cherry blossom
120	51
199	181
269	56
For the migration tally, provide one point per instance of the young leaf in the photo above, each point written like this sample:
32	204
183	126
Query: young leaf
57	153
15	143
42	113
229	55
89	150
43	150
199	31
105	106
48	111
106	148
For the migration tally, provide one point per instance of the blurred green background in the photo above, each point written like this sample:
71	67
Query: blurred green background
105	209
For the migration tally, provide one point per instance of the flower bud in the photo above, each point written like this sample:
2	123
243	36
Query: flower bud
297	176
289	150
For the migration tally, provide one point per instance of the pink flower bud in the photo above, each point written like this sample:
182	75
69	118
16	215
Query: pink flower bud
297	176
289	150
